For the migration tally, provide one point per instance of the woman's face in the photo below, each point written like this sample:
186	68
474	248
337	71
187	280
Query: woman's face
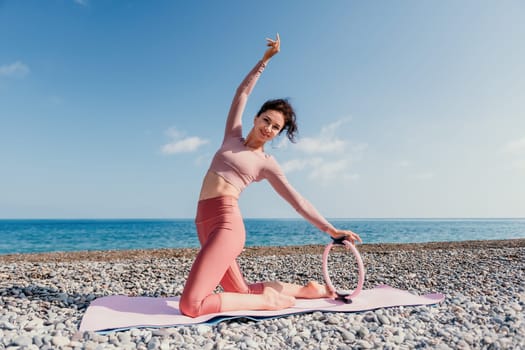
268	124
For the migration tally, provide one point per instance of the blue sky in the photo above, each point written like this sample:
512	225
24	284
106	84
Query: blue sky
113	109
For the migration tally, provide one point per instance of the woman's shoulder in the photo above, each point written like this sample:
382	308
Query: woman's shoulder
271	163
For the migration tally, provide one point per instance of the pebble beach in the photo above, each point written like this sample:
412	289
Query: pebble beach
44	296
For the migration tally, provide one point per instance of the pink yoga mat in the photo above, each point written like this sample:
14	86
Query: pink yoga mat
121	312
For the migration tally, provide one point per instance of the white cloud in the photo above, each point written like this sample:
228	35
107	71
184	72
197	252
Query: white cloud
327	172
325	142
425	175
180	143
326	157
318	145
300	164
410	170
322	170
403	164
516	150
186	145
81	2
516	146
14	70
519	164
330	129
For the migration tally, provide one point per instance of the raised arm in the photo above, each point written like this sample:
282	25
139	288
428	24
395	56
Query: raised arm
281	185
234	122
274	46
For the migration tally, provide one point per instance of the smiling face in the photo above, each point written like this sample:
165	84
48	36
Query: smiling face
268	124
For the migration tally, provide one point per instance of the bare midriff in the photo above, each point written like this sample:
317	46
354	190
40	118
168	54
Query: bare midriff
214	185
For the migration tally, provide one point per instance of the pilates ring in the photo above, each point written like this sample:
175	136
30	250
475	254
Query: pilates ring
345	297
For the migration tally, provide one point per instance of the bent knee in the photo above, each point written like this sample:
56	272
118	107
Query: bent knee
188	310
194	308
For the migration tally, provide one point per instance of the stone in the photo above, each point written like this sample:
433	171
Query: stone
383	319
250	342
332	320
165	345
7	325
153	344
363	344
161	332
347	336
59	340
124	337
23	341
516	306
362	332
37	340
203	329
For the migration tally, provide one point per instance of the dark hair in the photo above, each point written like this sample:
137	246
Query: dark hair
283	106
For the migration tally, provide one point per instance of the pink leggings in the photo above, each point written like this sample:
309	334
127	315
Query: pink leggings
221	233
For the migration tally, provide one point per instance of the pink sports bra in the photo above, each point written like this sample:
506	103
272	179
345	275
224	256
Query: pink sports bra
240	166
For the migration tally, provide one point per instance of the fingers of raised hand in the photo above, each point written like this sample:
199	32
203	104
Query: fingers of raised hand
274	43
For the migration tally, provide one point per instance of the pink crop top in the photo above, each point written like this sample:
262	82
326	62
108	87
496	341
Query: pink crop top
240	166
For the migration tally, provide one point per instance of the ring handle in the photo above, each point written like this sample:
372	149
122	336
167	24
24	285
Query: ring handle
361	278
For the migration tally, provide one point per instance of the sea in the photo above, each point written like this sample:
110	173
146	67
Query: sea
52	235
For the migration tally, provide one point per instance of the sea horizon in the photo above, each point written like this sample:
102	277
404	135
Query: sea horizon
268	218
51	235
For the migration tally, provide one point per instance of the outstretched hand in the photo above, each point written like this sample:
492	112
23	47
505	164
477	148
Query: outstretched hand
273	48
348	235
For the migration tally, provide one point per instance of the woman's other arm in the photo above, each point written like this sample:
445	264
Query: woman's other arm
281	185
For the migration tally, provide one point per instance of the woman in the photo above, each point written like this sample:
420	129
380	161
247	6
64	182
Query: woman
220	227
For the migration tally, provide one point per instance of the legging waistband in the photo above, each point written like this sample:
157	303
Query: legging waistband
211	207
219	199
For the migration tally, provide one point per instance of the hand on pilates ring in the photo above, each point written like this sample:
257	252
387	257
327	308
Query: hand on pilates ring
346	238
348	235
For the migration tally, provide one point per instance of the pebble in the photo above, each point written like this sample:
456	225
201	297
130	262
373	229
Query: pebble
42	303
249	342
60	340
37	341
363	344
362	332
347	336
154	343
7	325
202	329
383	319
23	341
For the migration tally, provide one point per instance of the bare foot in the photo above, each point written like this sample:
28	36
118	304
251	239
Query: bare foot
277	301
314	290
